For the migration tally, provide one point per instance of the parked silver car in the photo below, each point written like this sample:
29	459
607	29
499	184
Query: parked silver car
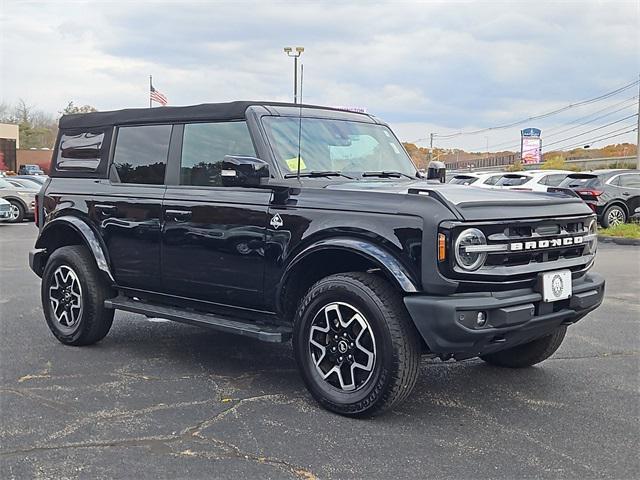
22	200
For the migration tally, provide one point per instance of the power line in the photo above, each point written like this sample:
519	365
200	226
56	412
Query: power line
542	115
511	144
592	130
604	136
589	121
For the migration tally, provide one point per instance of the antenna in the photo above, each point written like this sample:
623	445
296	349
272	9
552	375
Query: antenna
300	121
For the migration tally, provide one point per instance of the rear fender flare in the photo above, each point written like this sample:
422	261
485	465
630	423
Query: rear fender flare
90	238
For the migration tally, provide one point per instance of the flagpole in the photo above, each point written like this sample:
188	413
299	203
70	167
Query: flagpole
150	86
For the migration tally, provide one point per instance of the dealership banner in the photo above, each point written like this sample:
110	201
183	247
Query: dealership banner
531	145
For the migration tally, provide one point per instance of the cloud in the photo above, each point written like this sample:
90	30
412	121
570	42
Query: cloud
433	66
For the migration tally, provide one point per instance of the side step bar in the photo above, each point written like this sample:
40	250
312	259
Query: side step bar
266	333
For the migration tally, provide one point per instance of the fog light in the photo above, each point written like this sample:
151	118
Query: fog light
481	319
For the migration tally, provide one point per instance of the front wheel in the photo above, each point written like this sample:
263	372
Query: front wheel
355	344
527	354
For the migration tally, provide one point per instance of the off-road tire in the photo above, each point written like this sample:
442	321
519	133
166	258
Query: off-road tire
616	210
15	204
397	352
527	354
94	320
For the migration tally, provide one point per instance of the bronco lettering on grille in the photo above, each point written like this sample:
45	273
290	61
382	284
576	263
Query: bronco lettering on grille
549	243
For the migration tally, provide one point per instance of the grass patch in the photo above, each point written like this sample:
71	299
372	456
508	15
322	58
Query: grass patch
627	230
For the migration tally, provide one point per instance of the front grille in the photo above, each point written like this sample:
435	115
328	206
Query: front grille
518	251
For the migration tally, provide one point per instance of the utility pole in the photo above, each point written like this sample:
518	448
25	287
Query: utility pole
638	130
431	146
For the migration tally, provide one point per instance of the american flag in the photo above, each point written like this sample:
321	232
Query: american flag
157	97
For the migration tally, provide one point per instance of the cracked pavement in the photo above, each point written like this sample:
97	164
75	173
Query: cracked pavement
165	400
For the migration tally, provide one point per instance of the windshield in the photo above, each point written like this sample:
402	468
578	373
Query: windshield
341	146
584	181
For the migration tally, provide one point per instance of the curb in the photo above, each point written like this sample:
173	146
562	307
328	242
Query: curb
619	240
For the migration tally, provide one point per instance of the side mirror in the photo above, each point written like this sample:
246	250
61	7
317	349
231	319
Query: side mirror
240	171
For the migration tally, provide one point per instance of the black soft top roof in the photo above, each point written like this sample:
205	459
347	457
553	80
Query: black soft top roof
205	111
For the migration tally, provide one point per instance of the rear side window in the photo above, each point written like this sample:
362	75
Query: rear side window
581	181
512	181
204	146
82	153
492	180
630	181
553	180
141	154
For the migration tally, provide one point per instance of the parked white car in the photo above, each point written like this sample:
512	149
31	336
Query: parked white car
5	210
534	180
477	179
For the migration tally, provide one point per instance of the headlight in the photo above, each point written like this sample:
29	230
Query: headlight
466	257
593	241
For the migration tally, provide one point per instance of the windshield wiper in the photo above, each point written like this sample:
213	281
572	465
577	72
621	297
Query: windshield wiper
386	174
318	173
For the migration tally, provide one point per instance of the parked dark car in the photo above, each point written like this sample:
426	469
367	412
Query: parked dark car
30	170
285	222
614	195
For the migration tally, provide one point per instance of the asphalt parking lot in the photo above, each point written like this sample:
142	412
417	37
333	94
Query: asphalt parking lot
163	400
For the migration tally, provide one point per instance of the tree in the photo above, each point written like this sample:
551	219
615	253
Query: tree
37	129
71	108
515	167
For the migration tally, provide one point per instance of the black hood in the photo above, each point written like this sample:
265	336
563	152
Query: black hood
475	203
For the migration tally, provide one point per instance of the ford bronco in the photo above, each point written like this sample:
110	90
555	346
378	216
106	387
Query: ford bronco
285	222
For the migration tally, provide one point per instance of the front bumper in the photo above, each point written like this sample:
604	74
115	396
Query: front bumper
448	323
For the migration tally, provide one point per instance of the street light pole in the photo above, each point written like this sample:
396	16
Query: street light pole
295	53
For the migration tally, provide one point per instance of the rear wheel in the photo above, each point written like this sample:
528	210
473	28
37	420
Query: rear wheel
355	344
527	354
614	215
16	212
73	295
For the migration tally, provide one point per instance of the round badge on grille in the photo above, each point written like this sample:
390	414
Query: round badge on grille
557	285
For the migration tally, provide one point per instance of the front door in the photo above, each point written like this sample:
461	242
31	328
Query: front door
213	236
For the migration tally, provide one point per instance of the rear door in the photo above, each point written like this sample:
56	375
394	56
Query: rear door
129	213
213	237
629	190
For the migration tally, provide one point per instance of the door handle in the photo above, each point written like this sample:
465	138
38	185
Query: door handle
105	210
178	215
626	194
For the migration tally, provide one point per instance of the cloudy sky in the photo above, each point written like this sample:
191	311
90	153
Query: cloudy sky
424	67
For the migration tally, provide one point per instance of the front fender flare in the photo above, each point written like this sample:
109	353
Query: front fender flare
90	238
387	262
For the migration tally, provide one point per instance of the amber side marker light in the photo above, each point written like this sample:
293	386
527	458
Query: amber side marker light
442	252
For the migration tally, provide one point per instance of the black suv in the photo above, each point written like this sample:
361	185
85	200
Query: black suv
614	195
280	221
